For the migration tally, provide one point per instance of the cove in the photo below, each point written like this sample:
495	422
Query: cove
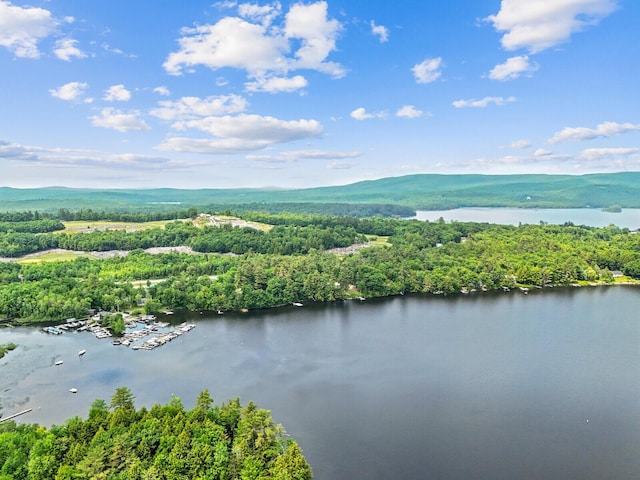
490	385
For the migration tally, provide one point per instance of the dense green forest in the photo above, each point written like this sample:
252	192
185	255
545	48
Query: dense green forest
376	197
290	262
119	442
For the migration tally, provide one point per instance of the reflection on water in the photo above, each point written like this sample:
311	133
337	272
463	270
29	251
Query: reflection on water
494	385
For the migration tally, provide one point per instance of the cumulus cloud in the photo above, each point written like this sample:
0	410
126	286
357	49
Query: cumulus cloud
362	114
513	68
519	144
194	107
428	70
70	91
120	121
538	25
541	152
381	32
277	84
264	14
409	111
240	133
66	49
117	93
65	157
606	129
261	49
162	90
483	102
21	28
296	155
591	154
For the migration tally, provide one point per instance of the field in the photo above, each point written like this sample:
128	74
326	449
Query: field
90	226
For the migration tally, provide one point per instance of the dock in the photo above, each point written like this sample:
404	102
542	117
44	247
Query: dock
15	415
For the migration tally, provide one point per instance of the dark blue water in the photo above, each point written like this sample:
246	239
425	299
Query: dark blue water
485	386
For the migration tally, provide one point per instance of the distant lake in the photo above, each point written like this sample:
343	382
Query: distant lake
629	217
481	386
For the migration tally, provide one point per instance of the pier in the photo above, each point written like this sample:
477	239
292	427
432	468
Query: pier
15	415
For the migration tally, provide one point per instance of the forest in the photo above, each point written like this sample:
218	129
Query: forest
119	442
293	260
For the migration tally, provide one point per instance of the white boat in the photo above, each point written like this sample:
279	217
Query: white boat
82	352
59	362
297	304
73	390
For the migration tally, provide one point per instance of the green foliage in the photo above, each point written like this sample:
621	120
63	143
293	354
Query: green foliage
7	347
166	442
290	263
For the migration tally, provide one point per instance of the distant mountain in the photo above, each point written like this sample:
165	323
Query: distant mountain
415	191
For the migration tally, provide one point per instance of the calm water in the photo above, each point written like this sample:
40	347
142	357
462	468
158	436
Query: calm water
629	217
483	386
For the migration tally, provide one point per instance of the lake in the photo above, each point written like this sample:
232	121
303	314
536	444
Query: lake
629	217
484	386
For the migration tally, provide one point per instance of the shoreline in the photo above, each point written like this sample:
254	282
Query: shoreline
520	288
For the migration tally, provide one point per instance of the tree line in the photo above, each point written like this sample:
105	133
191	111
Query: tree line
418	257
119	442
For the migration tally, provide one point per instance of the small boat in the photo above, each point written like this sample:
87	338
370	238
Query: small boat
73	390
297	304
59	362
82	352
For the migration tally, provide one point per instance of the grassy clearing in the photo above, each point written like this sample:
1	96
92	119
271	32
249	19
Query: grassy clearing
52	257
378	240
79	226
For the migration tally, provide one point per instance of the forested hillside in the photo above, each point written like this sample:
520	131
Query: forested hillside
387	196
293	260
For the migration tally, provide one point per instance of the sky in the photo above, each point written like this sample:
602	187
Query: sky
226	94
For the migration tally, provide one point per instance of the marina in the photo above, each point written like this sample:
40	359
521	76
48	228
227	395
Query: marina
143	332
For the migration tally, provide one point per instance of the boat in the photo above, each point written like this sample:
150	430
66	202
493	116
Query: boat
82	352
297	304
73	390
59	362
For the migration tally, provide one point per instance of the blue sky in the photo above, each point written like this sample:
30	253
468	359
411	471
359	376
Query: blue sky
149	93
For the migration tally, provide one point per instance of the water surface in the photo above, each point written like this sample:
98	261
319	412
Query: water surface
628	218
483	386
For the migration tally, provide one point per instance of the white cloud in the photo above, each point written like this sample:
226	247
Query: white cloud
241	133
162	90
591	154
296	155
264	14
380	31
277	84
262	50
541	152
21	28
66	49
606	129
519	144
69	91
409	111
318	34
428	70
117	93
484	102
193	107
340	166
120	121
512	68
538	25
362	114
65	157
